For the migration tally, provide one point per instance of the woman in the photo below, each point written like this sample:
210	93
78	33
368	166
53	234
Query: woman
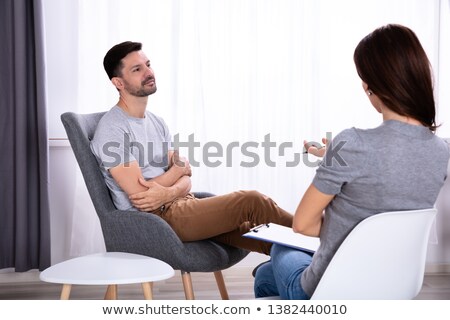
400	165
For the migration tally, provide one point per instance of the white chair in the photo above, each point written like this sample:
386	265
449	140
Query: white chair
382	258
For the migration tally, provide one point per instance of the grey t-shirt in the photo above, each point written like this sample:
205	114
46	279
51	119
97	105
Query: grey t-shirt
120	139
395	166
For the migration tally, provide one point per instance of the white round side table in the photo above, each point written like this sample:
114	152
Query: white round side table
110	268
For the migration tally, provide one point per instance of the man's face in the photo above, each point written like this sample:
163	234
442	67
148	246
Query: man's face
137	75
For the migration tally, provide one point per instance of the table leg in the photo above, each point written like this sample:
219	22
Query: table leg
65	292
147	287
111	292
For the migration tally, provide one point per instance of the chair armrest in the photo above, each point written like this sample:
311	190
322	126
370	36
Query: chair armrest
139	232
201	195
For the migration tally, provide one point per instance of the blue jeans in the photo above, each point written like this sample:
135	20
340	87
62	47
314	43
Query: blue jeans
281	276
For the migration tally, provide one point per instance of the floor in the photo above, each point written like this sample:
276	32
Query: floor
27	286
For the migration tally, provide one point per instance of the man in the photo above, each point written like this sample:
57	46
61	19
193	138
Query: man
131	145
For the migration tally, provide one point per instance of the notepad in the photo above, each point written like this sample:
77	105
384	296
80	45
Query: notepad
272	232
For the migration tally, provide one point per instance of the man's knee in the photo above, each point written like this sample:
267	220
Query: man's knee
254	196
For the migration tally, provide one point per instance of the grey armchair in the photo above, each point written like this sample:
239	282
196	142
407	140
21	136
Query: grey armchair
139	232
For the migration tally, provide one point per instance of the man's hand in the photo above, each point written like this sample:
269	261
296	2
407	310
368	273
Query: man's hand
181	165
152	199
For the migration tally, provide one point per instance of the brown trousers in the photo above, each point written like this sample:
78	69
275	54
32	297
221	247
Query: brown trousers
225	218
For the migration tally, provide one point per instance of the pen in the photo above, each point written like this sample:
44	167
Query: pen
318	148
255	229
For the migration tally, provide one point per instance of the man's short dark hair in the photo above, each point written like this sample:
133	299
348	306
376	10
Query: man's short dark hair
112	61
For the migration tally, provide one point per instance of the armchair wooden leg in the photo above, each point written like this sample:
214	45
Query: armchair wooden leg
187	284
111	292
221	285
65	292
147	287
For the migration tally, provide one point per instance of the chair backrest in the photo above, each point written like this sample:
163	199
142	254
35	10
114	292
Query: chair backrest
80	129
383	257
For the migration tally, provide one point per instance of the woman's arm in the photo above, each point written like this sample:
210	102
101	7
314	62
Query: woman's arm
309	214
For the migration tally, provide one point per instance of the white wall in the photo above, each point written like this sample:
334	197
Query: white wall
62	69
62	190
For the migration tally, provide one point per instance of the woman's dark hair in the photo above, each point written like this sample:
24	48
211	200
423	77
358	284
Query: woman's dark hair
113	58
394	65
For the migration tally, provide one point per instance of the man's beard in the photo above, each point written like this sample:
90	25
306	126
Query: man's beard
141	91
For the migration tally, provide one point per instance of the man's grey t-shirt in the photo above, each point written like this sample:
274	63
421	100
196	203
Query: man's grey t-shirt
120	139
396	166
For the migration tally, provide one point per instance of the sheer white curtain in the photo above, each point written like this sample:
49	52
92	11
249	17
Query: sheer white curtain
236	73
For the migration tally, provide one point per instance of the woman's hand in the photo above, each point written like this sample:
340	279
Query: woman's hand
315	148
